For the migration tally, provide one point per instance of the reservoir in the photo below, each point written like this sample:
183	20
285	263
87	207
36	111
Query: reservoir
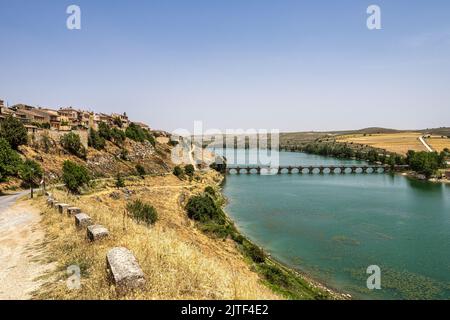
334	226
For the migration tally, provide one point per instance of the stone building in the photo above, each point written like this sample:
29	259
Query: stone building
142	125
122	118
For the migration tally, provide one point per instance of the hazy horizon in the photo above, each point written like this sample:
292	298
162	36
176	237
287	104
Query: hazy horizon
287	65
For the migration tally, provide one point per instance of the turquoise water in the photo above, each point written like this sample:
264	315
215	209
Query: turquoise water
334	226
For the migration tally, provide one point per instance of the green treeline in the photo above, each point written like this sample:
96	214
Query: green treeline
427	163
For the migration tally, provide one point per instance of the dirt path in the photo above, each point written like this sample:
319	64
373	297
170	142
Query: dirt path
21	249
427	146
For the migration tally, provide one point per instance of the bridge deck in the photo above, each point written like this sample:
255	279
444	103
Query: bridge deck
310	169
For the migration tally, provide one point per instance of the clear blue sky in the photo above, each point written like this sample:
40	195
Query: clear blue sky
289	64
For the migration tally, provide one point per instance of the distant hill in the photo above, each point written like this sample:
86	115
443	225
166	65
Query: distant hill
444	131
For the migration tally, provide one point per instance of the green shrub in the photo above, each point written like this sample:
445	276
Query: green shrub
189	170
75	176
120	183
217	230
136	133
46	143
210	190
117	122
30	172
142	212
13	131
117	136
140	170
219	166
72	143
173	143
124	154
104	131
237	237
95	140
254	252
178	172
275	275
9	160
204	209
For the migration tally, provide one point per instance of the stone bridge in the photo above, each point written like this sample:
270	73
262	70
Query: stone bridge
322	169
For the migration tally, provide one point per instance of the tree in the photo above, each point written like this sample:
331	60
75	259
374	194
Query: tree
117	136
120	183
72	143
136	133
13	131
426	163
95	140
9	160
372	155
178	172
219	166
30	171
203	208
189	170
75	176
104	130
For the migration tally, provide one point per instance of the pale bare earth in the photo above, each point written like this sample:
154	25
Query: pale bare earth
22	257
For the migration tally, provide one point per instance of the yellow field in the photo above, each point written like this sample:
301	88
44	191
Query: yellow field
438	143
394	142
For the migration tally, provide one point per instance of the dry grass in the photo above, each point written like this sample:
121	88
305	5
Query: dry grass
393	142
438	143
179	261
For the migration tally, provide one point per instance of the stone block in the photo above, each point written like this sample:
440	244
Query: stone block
124	269
50	202
62	207
96	232
82	220
71	211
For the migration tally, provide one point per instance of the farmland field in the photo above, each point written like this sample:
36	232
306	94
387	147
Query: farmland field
394	142
438	143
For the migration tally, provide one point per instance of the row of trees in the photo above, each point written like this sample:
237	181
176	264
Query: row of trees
343	151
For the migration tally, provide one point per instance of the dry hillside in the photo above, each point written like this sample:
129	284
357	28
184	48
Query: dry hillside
179	261
105	163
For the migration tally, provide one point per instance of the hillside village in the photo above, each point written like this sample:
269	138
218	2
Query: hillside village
108	145
63	119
